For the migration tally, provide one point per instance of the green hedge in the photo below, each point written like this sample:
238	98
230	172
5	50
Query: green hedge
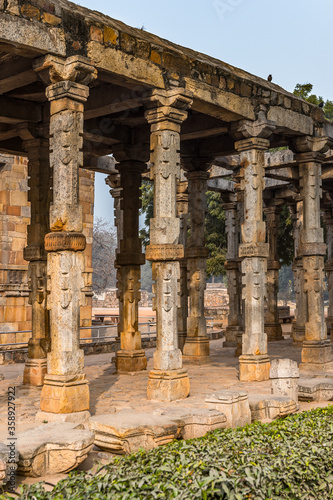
287	459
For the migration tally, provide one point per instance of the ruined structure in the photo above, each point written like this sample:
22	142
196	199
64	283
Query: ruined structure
82	85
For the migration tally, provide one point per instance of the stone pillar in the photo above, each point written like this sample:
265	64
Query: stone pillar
298	326
316	350
167	110
196	348
329	269
39	195
113	181
182	214
65	389
272	321
254	363
232	266
131	163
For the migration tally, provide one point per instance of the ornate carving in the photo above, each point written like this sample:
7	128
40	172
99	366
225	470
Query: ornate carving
65	241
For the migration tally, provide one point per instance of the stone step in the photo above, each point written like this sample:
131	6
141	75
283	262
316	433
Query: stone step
128	430
52	448
234	404
268	407
315	389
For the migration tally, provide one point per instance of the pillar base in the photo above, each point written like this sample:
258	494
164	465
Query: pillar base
254	368
329	323
168	385
298	334
273	331
316	355
231	334
34	372
79	417
65	394
196	350
238	351
130	361
182	336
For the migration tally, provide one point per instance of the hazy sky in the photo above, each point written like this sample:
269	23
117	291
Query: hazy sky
291	39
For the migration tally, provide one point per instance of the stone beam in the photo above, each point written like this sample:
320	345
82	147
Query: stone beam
220	185
17	111
112	99
25	34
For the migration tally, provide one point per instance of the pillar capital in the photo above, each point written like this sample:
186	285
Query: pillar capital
309	144
71	91
53	69
135	154
113	181
167	109
250	143
196	164
258	129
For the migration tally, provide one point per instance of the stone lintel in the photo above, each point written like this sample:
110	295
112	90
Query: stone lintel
309	249
130	259
57	241
164	252
254	250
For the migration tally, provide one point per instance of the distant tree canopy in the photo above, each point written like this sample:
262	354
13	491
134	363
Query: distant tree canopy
304	90
103	255
216	237
286	238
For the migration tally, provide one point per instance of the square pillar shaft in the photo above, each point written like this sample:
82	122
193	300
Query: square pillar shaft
254	363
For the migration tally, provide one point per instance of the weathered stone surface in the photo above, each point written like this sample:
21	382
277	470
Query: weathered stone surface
52	448
78	417
125	432
34	372
234	405
168	385
196	421
315	389
284	374
8	463
267	408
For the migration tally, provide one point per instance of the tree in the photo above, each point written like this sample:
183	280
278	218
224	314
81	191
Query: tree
103	255
147	209
286	237
304	90
216	238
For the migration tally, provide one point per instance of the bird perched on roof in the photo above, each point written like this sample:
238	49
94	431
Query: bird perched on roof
321	104
269	78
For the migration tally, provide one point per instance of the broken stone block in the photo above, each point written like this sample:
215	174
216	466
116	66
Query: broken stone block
127	431
234	405
8	466
284	374
315	389
266	407
52	448
196	421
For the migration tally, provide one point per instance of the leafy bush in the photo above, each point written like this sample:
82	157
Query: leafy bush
287	459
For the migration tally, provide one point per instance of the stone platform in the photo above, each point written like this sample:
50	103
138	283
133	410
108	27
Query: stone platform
112	393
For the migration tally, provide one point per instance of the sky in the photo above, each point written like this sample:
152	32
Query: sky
290	39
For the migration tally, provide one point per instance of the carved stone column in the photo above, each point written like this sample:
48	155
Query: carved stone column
316	350
167	110
232	267
329	269
272	321
298	326
196	348
131	163
65	387
39	195
254	363
113	181
182	214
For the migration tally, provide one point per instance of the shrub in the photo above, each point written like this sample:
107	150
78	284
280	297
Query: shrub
287	459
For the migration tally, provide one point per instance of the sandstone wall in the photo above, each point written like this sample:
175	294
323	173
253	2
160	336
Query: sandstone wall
15	312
